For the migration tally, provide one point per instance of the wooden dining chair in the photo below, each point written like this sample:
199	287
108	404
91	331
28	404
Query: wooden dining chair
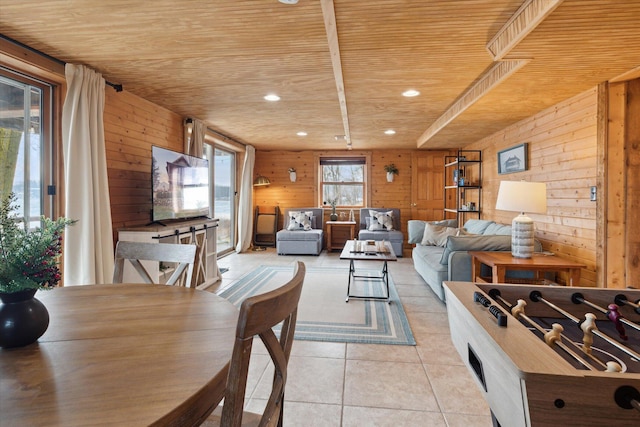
258	315
182	258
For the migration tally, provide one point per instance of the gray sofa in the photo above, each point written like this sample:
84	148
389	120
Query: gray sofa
395	236
452	261
301	242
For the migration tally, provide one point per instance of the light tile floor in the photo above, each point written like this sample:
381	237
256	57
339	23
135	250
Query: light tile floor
337	384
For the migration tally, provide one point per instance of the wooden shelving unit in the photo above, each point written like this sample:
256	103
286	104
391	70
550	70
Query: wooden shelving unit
463	185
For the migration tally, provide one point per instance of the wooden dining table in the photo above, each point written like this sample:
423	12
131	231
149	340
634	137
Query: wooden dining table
124	355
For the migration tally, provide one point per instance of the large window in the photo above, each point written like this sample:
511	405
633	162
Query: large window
25	144
343	181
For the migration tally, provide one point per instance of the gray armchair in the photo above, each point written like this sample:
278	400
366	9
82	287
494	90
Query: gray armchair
298	241
377	233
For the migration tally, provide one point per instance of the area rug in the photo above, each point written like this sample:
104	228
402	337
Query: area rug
323	314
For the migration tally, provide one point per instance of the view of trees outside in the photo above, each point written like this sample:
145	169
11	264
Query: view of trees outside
223	198
20	157
343	184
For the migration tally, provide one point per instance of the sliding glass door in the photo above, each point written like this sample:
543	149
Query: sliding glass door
224	198
26	145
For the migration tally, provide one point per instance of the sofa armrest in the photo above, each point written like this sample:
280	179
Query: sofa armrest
459	266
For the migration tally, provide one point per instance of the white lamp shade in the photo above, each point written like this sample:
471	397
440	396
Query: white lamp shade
522	196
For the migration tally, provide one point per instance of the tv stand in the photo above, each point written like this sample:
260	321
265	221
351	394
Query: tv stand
202	231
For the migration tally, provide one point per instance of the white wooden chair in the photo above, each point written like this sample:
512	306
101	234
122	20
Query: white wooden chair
183	256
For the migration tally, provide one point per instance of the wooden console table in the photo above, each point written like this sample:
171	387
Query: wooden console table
500	262
202	232
338	233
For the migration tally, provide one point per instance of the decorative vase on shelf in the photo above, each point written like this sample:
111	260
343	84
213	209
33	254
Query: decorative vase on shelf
389	176
333	216
23	318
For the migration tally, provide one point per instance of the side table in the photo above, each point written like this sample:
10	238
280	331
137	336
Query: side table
338	233
500	262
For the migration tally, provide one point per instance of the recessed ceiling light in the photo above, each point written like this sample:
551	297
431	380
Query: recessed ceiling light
410	93
272	97
301	133
340	137
288	1
390	132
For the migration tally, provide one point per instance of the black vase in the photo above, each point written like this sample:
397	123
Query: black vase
23	319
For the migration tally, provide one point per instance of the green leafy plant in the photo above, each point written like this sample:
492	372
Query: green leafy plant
391	168
28	258
332	203
291	170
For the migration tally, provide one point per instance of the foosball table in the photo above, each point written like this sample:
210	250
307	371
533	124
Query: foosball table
550	355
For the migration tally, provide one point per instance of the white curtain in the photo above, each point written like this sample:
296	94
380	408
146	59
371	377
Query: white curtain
194	143
194	146
88	245
245	205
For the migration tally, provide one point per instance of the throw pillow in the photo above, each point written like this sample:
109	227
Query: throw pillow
299	221
436	235
381	221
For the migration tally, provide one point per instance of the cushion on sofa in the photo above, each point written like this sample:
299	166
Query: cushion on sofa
475	243
436	235
379	221
415	228
300	221
495	228
477	226
366	213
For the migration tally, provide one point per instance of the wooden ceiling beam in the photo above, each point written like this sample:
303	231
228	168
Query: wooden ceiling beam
525	20
496	75
530	14
329	14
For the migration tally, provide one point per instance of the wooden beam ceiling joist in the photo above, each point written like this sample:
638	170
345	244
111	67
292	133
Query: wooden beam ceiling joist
329	15
525	20
496	74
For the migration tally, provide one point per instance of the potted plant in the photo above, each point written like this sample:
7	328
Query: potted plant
292	174
333	203
28	263
391	170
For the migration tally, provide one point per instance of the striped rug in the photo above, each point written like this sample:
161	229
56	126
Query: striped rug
323	314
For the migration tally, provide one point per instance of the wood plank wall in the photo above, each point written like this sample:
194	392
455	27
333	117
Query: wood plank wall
562	143
563	153
620	220
632	231
132	125
302	193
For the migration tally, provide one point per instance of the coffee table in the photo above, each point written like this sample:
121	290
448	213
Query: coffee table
359	250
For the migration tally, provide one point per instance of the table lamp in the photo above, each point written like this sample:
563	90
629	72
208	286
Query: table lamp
522	196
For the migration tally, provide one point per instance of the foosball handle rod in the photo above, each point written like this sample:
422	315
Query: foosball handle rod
621	299
493	309
536	296
628	397
611	312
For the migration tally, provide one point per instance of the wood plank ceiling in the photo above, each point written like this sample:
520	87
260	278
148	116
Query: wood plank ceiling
215	60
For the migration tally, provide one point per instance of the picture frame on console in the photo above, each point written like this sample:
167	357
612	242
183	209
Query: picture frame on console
514	159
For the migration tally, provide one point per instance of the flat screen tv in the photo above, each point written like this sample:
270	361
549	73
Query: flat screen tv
180	185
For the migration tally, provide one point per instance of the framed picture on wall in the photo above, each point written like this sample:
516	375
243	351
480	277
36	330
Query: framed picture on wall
514	159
